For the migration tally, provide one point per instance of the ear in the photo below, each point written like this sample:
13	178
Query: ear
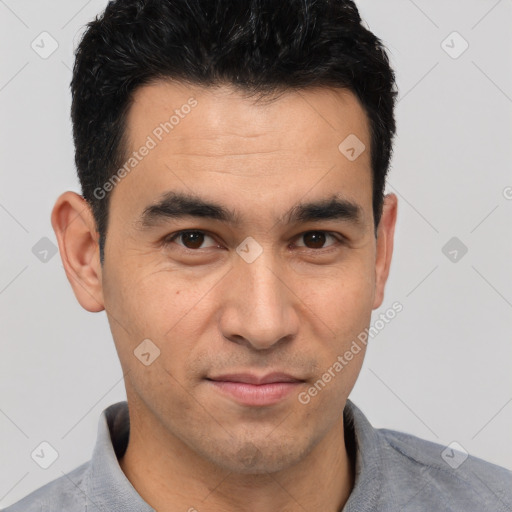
385	236
75	228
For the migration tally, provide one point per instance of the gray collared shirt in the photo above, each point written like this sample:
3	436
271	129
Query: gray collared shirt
394	472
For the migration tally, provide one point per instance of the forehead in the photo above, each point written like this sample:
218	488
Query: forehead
222	113
217	140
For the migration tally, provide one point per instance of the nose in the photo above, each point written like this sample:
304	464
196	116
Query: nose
259	308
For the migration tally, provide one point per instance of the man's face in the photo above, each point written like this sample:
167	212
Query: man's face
292	299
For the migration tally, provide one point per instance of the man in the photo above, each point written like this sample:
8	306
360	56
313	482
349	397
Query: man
234	228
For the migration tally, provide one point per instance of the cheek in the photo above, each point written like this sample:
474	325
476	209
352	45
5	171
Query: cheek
166	307
342	302
343	297
151	301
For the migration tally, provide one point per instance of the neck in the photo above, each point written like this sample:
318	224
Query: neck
169	476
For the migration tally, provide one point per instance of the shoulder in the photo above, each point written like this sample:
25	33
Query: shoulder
454	476
63	493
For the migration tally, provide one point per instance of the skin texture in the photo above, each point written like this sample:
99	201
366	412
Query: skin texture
297	307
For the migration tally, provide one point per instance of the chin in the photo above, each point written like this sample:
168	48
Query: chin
248	459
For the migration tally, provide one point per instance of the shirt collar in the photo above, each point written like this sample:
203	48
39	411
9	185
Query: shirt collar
109	489
367	443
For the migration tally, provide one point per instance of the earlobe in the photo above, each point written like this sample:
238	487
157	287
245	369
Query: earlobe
385	239
75	229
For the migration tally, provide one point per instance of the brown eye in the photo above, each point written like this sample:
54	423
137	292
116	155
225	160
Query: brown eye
316	239
192	239
189	239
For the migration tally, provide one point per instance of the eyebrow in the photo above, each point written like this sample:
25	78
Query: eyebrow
177	205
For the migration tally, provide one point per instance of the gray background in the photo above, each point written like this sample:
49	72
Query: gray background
439	370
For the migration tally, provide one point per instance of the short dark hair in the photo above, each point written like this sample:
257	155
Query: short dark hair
258	46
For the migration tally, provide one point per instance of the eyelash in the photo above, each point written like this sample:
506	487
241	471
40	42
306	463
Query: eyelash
340	239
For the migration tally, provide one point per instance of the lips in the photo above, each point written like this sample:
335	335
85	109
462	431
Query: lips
251	390
249	378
